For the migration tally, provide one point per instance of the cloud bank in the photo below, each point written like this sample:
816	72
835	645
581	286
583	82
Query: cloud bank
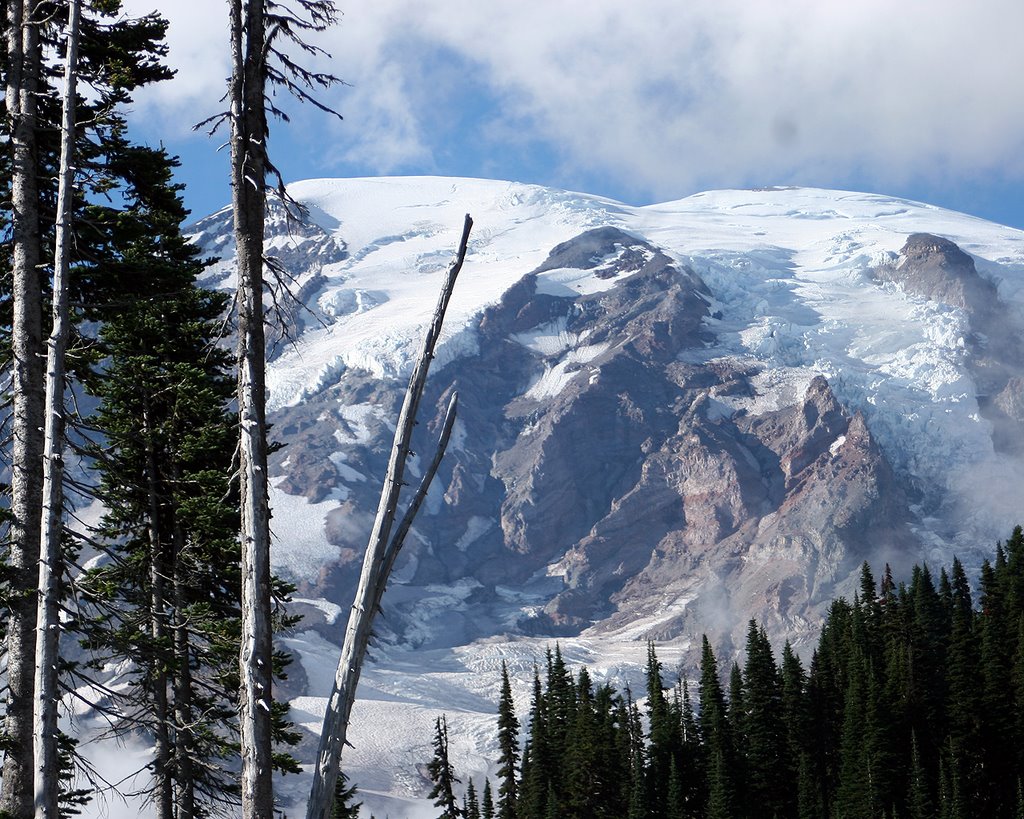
655	98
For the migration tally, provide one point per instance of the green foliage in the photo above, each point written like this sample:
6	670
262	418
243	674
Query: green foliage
442	773
911	707
344	795
508	744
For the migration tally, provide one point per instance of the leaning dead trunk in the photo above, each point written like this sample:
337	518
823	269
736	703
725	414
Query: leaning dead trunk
45	761
248	171
381	552
22	75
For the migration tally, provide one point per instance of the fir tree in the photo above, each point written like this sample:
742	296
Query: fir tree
442	774
344	808
537	759
719	762
769	767
471	805
487	804
662	737
920	805
508	745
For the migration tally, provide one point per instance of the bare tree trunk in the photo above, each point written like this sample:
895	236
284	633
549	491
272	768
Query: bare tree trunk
23	66
45	760
184	800
164	799
380	556
248	171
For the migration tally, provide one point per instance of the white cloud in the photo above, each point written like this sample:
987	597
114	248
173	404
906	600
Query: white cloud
665	97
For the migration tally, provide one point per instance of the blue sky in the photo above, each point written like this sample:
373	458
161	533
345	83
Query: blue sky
642	102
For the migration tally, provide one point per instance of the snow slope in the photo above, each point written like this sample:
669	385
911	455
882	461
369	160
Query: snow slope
789	270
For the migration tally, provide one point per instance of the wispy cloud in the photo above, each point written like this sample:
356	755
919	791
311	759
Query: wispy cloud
664	97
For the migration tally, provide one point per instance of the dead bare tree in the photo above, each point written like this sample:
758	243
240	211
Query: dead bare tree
22	70
258	65
47	693
381	552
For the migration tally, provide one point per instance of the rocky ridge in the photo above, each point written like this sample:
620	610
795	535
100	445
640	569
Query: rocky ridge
612	473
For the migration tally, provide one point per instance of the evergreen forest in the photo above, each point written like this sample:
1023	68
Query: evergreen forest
910	707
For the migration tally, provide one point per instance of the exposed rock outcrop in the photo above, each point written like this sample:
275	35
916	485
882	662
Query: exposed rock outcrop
600	476
938	270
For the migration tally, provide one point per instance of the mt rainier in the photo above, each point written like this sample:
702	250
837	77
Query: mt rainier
672	419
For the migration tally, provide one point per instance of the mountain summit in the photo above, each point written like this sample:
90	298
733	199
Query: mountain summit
672	418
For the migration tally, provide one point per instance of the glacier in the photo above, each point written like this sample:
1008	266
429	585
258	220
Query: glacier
792	296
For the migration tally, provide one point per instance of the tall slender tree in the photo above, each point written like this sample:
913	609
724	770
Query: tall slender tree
258	66
23	80
44	720
32	30
508	744
442	773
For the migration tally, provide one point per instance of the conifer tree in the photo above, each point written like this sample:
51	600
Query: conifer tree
167	599
997	701
442	773
107	38
964	701
636	797
344	793
508	745
471	804
261	32
537	759
662	737
719	757
487	802
920	805
768	764
690	767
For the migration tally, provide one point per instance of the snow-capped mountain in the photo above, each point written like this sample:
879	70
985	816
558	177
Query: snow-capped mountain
672	419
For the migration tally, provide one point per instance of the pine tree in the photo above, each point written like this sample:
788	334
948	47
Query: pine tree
161	373
769	767
23	81
963	707
719	759
634	750
442	774
662	737
856	795
920	804
998	729
487	804
343	796
691	762
33	111
736	759
796	723
537	759
471	805
508	746
51	558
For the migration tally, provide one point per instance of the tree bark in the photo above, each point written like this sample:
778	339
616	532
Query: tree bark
183	768
23	66
248	172
45	760
380	557
164	797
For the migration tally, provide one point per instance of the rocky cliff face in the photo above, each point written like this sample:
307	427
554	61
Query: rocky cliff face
600	478
671	420
938	270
